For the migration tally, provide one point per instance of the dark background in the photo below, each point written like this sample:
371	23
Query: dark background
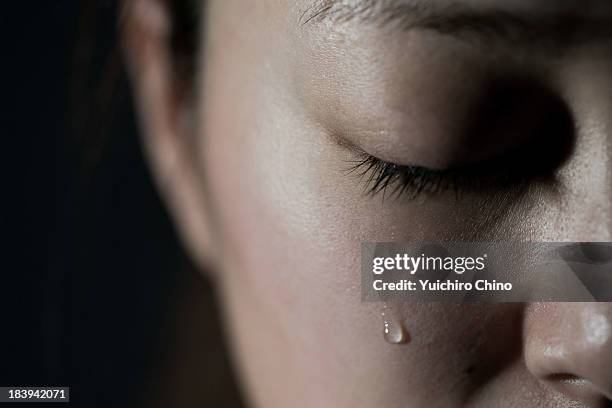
96	293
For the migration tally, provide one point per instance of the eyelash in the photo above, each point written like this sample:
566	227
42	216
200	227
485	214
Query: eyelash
397	181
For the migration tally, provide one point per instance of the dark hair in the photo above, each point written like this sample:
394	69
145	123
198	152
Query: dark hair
186	16
98	75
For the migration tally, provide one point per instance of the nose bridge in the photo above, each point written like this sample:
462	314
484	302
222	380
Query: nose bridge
586	194
568	344
588	172
592	186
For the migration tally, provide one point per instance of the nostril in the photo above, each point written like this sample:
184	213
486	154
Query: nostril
578	389
567	349
566	378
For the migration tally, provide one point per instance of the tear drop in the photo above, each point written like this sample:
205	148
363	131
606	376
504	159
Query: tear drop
394	331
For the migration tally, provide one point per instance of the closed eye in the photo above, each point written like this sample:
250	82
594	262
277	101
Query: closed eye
512	171
393	180
540	123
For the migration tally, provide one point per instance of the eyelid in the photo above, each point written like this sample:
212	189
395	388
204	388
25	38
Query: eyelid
399	181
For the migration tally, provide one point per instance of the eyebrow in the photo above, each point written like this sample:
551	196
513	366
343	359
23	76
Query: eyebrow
465	22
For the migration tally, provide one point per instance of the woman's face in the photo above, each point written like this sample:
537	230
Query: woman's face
292	95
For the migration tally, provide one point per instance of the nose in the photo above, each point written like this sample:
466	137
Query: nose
568	347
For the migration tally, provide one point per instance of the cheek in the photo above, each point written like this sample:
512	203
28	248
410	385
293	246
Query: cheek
278	215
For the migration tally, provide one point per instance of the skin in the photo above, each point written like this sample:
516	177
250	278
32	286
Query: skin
252	163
